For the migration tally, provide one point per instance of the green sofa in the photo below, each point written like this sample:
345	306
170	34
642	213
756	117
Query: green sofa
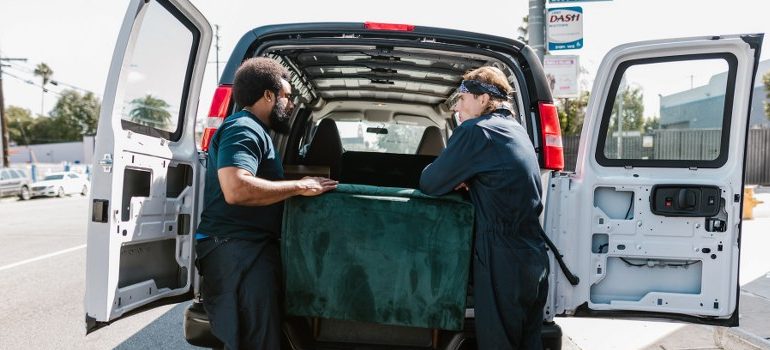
378	255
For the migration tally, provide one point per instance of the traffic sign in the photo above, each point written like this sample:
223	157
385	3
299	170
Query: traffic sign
565	28
563	1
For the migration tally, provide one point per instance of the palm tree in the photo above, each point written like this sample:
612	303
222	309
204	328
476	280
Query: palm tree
150	111
44	72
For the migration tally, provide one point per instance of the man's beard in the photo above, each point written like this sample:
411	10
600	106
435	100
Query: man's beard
279	119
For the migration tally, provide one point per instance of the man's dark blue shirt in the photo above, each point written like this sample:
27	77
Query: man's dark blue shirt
242	141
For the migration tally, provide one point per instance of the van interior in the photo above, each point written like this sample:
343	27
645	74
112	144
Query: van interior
370	114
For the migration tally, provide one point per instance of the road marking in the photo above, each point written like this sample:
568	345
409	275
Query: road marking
42	257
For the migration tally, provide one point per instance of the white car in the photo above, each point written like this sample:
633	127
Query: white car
60	184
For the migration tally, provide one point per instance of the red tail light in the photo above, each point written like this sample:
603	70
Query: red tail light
553	153
217	113
389	26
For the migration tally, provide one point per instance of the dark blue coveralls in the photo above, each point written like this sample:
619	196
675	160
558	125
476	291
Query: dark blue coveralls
493	155
237	247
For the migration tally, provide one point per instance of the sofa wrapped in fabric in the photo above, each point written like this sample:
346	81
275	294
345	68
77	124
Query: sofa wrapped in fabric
379	255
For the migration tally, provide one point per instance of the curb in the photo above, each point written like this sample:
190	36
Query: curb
737	338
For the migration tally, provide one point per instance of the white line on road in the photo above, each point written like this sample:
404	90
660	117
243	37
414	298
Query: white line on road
6	267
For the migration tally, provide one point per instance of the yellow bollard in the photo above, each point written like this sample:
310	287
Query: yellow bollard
749	202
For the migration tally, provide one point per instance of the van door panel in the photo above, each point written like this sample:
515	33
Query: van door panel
139	248
650	220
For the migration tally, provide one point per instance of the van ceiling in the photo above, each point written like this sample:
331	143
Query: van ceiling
386	74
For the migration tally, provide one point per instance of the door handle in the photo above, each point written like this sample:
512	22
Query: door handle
106	162
686	199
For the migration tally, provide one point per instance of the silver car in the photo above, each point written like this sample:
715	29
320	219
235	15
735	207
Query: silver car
14	182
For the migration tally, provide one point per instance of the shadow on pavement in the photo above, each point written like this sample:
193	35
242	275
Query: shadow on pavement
165	332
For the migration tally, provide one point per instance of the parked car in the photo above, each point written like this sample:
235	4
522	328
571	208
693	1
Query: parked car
60	184
14	182
633	235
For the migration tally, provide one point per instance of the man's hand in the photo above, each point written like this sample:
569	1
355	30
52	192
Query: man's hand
241	188
313	186
462	185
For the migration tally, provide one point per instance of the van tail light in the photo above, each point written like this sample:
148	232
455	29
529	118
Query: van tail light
217	114
389	26
553	151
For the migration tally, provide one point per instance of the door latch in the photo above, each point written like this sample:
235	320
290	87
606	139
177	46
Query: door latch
106	163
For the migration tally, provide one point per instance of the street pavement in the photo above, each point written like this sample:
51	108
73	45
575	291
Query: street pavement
42	278
42	299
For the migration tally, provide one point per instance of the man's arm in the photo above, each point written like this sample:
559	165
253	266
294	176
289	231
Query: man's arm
456	164
241	188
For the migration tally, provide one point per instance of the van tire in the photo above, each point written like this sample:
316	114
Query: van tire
60	192
84	191
24	194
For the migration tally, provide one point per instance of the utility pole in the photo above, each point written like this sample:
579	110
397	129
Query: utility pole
216	46
537	27
3	122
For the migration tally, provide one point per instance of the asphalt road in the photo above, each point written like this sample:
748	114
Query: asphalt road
42	284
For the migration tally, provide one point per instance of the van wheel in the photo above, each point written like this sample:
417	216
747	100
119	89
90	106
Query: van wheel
24	195
60	192
84	191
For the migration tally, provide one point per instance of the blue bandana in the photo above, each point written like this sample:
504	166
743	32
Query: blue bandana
478	87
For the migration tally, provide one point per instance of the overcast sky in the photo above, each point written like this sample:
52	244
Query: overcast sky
76	37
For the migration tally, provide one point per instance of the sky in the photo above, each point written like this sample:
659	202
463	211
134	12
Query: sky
76	38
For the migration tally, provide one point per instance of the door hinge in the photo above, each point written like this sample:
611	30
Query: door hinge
106	162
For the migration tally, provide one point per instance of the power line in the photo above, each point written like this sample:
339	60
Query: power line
30	82
27	69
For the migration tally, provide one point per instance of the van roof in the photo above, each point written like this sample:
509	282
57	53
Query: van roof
347	61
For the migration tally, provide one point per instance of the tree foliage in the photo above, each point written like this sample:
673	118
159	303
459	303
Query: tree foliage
73	116
630	106
81	112
19	122
523	30
45	73
150	111
572	112
766	80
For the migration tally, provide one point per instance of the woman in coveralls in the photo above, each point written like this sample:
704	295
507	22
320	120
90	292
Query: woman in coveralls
491	155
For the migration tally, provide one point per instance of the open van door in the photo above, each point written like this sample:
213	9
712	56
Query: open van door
143	207
650	221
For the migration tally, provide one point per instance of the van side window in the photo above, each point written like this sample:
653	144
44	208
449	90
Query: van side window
14	174
669	112
4	175
155	76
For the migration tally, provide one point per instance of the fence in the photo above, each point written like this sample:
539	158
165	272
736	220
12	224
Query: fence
684	144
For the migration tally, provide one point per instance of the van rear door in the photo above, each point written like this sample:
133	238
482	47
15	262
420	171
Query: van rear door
143	208
650	222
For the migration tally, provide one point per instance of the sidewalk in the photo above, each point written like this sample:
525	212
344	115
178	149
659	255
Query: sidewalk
754	305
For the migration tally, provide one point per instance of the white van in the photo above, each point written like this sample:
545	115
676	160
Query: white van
647	226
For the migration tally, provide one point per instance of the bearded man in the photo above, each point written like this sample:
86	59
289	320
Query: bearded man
237	241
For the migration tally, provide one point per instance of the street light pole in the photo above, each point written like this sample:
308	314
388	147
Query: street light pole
536	26
3	122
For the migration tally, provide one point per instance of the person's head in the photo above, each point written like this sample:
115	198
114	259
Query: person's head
482	91
262	85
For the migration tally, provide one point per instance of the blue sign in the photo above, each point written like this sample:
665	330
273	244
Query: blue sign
562	1
564	28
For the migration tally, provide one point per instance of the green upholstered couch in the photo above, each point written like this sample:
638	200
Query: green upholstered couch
379	255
